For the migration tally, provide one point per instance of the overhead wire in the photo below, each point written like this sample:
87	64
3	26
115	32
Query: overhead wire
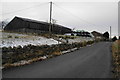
61	12
76	16
23	9
70	13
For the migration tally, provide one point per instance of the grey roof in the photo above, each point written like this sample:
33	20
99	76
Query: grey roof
30	20
40	22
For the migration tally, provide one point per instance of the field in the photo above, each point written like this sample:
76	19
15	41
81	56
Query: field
15	40
116	58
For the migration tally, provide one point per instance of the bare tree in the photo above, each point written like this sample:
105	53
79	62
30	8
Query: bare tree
53	22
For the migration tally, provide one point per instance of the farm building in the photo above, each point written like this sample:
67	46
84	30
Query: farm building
27	25
97	35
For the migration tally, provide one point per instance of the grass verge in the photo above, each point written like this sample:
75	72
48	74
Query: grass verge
116	58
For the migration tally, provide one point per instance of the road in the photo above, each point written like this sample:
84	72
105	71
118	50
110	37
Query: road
89	62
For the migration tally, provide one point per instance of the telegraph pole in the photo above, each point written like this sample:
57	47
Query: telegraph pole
50	17
110	32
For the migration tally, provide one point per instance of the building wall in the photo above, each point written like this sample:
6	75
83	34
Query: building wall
21	24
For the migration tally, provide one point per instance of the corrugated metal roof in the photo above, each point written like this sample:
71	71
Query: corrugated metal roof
40	22
30	20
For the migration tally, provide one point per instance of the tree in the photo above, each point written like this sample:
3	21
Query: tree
54	21
114	38
106	35
3	24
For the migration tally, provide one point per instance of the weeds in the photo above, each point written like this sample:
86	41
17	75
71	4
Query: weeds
116	58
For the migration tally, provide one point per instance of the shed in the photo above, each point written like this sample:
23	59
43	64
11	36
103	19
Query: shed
29	25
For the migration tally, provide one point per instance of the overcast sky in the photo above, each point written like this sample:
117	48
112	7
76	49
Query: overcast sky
83	15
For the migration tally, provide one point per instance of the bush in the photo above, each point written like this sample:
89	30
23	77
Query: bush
90	42
114	38
9	36
16	37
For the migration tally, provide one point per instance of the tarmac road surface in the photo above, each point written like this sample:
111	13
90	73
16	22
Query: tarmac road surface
89	62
